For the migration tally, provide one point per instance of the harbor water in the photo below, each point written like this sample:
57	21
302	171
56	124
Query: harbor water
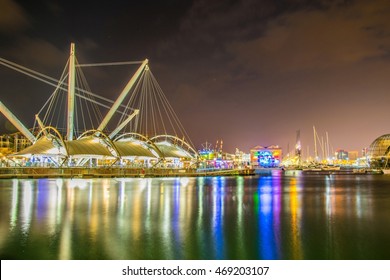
276	215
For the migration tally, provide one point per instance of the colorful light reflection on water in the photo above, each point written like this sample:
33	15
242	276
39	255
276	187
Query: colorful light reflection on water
271	216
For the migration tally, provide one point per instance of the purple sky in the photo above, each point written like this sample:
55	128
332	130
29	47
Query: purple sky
248	72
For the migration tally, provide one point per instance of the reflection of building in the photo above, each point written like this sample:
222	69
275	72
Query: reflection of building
266	156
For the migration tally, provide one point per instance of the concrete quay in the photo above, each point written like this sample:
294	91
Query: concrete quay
113	172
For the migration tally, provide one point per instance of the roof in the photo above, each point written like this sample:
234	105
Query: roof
170	150
131	148
88	146
93	146
43	146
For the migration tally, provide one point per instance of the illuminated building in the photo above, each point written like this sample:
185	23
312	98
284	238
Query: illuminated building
206	154
241	159
379	151
210	158
341	154
266	157
353	155
364	152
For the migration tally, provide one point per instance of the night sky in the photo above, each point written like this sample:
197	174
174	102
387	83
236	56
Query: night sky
248	72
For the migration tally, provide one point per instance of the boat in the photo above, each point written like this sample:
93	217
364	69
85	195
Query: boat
322	168
386	171
371	171
312	169
359	171
330	168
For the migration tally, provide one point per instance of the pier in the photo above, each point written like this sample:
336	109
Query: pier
114	172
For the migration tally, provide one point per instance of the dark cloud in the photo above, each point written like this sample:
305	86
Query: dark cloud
316	39
12	17
36	53
303	66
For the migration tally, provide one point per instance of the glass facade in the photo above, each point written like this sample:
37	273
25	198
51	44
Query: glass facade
379	152
380	147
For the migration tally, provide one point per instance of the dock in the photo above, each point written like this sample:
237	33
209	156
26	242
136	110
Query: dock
114	172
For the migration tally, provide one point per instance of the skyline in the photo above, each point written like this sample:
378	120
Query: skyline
247	72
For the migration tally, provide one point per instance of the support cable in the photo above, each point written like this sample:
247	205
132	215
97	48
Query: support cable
36	75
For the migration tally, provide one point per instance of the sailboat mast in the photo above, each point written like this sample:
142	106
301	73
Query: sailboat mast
327	145
298	148
308	153
71	93
315	144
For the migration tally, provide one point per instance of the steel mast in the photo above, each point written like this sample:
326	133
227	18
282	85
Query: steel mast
14	120
123	124
122	96
71	93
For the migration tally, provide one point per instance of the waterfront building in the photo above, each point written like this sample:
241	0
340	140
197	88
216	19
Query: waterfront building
266	157
216	158
341	154
12	143
378	153
241	159
364	152
353	155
